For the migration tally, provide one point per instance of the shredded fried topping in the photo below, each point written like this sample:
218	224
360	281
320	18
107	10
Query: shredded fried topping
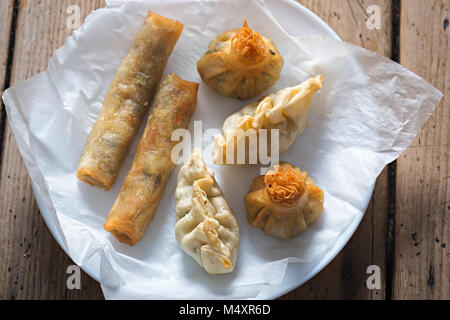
249	45
285	185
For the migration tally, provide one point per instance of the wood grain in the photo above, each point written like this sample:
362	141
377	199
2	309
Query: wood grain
33	265
345	276
348	19
422	242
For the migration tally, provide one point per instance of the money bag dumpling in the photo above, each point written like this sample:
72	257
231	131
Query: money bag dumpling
284	201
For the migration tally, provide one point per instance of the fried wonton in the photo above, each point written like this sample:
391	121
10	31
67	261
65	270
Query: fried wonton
240	63
284	201
285	110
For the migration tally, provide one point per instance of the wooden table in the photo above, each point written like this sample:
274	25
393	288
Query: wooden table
405	231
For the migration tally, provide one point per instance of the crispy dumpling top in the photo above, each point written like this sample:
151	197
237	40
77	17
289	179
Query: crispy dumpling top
284	201
248	45
285	110
206	228
240	63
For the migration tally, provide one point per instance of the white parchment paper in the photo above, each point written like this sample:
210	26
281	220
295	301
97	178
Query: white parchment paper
367	113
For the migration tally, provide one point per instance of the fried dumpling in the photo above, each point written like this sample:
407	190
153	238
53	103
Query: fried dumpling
284	201
206	228
285	110
240	63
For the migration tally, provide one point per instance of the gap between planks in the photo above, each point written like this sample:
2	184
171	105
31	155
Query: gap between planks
392	167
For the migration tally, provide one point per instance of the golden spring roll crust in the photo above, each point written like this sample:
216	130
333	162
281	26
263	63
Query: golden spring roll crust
127	101
143	188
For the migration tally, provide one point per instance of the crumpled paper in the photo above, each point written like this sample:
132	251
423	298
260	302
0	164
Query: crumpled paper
366	114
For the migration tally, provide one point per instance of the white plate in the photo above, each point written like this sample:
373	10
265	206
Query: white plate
288	15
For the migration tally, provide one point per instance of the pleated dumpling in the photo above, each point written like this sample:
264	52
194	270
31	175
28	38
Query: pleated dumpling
285	110
240	63
206	228
284	201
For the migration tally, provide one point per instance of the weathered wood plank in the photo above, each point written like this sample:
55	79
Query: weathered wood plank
345	276
422	242
348	19
33	265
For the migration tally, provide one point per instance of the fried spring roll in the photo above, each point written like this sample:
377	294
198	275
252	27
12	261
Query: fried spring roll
127	101
143	188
